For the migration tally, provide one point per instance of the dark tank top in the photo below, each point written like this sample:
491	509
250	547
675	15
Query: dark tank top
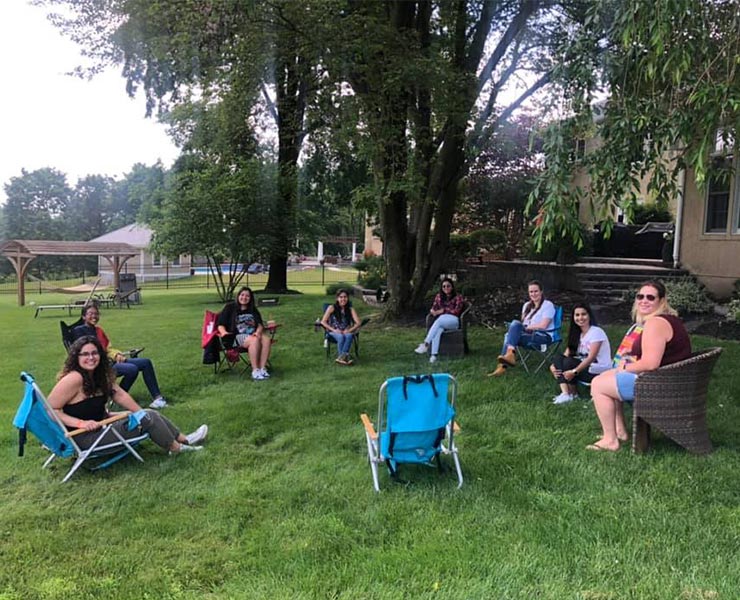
90	409
678	348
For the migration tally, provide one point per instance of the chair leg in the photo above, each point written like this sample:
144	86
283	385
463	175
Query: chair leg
640	435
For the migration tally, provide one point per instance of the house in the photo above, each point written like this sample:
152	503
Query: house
707	222
146	266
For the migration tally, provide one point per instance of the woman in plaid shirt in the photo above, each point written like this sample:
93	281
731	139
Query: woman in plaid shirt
447	307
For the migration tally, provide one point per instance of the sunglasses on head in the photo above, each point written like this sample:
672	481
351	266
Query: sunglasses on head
648	297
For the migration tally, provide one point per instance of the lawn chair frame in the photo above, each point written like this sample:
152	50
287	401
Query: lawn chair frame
447	444
527	353
329	341
110	452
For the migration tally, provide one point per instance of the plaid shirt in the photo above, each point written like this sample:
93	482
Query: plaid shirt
453	306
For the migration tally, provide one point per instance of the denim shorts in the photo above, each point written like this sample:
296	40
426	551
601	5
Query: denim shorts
626	385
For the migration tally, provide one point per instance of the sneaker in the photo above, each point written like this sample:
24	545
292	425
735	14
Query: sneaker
421	348
158	403
257	375
563	398
433	358
197	436
265	374
188	448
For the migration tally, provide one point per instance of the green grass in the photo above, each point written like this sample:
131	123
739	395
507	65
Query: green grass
280	503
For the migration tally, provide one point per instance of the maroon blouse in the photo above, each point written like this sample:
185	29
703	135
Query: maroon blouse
677	349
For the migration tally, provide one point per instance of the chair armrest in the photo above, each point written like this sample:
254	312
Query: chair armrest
103	423
368	426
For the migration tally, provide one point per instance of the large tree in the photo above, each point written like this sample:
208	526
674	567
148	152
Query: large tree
672	86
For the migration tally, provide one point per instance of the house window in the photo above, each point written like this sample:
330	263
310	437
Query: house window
156	260
718	198
176	261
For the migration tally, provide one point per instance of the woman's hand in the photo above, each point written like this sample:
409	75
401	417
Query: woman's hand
569	375
120	358
88	425
555	371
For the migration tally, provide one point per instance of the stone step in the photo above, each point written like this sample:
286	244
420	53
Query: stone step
610	260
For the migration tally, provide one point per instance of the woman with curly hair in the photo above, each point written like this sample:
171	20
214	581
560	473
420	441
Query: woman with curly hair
85	385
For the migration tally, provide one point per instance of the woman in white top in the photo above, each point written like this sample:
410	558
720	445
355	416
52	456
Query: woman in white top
537	317
588	354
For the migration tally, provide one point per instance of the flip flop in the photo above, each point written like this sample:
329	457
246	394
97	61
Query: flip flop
597	448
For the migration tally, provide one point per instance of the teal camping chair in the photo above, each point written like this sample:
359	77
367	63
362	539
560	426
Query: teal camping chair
415	424
543	352
37	416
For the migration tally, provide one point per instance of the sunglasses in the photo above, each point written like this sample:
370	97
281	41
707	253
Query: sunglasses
648	297
92	354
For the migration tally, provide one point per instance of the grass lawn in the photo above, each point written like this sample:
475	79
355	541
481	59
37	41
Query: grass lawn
280	503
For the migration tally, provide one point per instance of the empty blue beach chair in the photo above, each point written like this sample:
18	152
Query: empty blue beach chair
37	416
415	424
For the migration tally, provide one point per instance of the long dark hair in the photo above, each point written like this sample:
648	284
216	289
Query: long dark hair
101	380
343	311
452	294
574	335
251	306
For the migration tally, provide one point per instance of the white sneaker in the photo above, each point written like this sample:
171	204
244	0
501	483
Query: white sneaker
197	436
563	398
421	348
188	448
158	403
433	358
265	374
257	375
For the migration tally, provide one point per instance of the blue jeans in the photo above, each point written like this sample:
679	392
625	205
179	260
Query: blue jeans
343	340
130	371
516	336
441	324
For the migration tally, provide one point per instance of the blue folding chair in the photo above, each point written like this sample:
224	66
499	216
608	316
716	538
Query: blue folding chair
415	424
37	416
543	352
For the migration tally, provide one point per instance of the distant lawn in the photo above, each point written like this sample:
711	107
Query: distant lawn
280	504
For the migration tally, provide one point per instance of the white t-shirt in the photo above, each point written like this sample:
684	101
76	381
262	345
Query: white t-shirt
603	360
545	311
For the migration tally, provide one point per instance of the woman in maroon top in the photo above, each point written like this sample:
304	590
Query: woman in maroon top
658	338
447	308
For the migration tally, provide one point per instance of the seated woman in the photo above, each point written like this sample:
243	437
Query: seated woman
447	307
657	338
340	321
242	320
588	353
123	366
84	387
537	316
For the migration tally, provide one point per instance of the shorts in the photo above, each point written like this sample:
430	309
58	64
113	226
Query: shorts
626	385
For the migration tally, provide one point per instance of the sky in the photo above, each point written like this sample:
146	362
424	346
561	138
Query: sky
49	119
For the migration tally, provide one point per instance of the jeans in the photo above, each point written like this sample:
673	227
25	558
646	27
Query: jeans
160	429
516	336
343	340
130	370
441	323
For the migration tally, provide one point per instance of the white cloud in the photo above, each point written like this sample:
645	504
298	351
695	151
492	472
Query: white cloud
49	119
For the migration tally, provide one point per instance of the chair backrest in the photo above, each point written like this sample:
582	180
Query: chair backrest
210	328
35	415
69	335
418	408
557	325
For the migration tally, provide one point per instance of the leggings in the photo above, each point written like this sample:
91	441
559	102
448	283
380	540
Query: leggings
566	363
160	429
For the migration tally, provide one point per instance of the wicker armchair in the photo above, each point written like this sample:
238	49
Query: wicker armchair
454	342
674	400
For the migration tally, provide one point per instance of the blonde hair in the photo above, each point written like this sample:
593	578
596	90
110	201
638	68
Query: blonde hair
663	307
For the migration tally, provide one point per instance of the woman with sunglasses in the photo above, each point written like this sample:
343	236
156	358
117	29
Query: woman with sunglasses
588	353
84	387
657	338
447	308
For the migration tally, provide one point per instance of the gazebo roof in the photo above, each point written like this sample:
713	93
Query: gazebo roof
31	248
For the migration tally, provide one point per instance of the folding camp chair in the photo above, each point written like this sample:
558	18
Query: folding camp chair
329	340
543	352
415	424
37	416
70	333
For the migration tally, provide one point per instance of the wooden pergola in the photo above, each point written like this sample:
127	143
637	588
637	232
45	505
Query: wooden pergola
22	252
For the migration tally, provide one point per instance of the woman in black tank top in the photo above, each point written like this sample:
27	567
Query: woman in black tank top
84	387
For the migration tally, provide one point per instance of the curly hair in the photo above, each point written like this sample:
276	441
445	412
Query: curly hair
101	380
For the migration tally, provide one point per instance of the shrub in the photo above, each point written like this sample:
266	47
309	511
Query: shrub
686	295
733	310
488	240
372	272
650	211
333	288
